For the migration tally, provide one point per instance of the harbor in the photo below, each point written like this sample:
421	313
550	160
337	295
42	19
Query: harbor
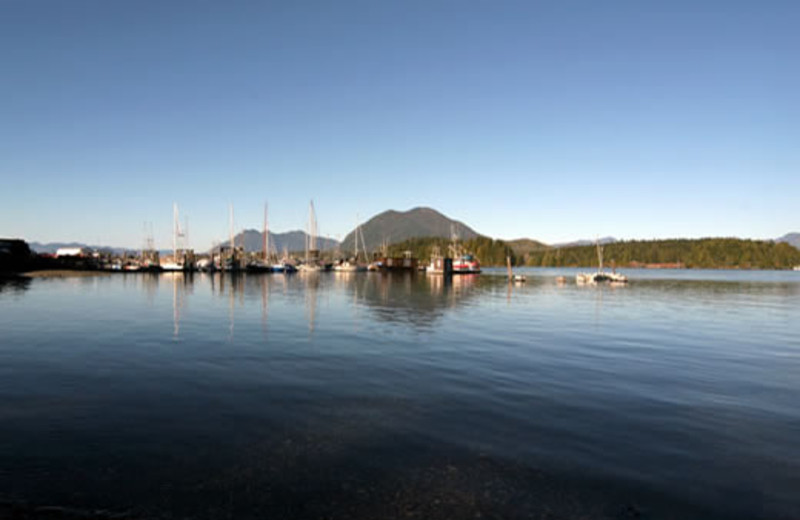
233	257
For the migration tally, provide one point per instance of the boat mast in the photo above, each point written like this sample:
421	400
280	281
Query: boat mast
233	245
266	234
313	222
356	246
363	244
308	236
600	256
454	249
175	231
311	235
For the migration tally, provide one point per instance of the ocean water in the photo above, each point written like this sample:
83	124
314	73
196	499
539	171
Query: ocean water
407	396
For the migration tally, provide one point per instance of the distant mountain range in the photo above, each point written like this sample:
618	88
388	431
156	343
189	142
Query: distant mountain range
292	241
793	239
586	242
52	247
390	226
396	226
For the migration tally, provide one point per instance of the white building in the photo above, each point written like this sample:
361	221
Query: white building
70	251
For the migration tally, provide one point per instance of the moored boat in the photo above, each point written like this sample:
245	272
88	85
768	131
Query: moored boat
600	276
466	264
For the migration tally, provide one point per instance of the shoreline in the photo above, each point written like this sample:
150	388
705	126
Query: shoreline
62	273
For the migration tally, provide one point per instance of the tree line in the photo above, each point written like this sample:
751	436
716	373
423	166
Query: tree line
710	253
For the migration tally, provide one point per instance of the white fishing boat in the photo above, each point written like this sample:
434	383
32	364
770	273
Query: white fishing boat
437	263
463	262
466	264
600	276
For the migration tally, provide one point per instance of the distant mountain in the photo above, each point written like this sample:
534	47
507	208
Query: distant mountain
52	247
293	241
586	242
793	239
396	226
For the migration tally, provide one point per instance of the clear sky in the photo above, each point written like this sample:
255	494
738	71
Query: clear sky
553	120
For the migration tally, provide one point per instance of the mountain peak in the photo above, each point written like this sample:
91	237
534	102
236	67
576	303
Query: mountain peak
395	226
793	239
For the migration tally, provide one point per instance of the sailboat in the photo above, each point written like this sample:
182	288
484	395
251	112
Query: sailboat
286	262
600	276
311	263
354	266
177	264
262	265
233	261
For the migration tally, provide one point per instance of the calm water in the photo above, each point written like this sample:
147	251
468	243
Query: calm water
371	396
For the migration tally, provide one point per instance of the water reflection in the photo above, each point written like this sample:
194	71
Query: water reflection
14	284
676	382
311	284
413	299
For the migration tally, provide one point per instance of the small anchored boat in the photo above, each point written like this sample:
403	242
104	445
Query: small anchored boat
600	276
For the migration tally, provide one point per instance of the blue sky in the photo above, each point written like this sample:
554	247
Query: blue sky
549	120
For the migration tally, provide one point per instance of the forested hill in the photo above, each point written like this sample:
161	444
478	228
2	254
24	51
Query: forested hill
723	253
395	226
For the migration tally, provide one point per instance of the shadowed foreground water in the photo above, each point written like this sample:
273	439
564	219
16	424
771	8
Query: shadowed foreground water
373	396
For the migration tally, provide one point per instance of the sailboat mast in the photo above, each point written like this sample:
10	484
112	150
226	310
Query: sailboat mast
308	235
313	220
600	256
231	229
356	248
266	234
175	228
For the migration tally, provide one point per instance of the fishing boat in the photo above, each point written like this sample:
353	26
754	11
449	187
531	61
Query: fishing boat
600	276
437	263
463	262
466	264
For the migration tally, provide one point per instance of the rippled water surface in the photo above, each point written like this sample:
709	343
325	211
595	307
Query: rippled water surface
374	396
